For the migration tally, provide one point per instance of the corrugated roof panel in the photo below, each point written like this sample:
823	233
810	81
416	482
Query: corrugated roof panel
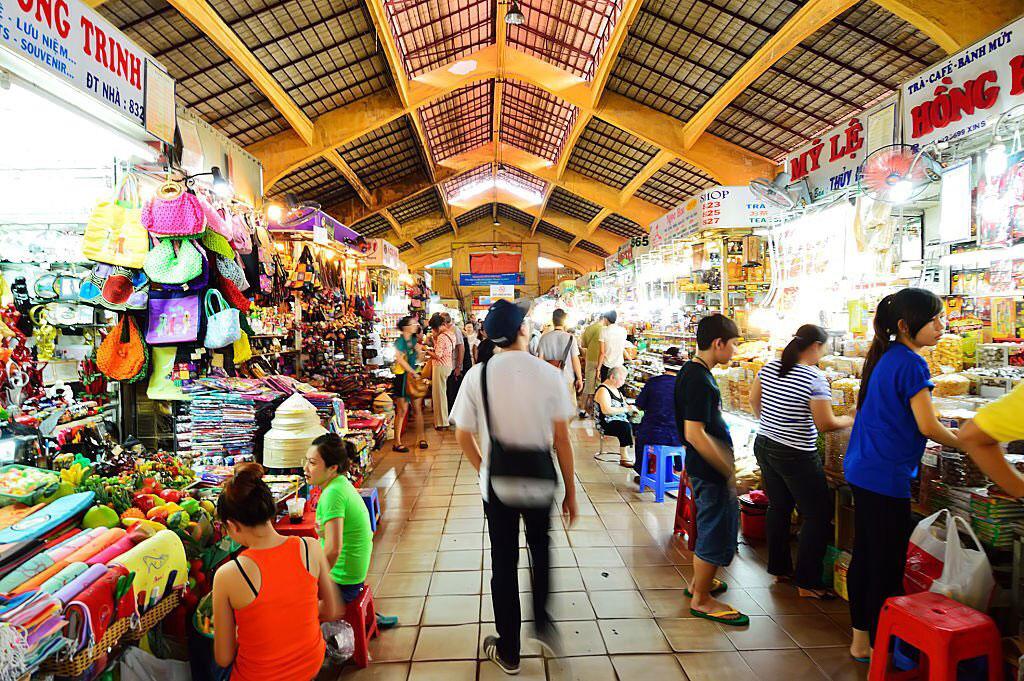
385	155
460	121
432	33
609	154
425	203
535	120
620	226
316	181
674	183
575	206
372	227
571	34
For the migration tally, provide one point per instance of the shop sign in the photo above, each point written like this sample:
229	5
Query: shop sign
71	41
834	160
514	279
716	208
503	291
382	253
964	93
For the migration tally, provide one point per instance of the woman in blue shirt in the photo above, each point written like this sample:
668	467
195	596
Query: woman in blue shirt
407	353
657	401
895	418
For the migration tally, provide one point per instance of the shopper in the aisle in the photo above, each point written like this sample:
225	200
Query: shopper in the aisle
508	438
473	338
613	344
277	584
442	356
590	341
999	421
459	358
895	418
558	348
710	465
793	403
613	413
342	519
658	425
407	353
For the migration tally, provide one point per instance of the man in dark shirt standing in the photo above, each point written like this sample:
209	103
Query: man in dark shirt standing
709	463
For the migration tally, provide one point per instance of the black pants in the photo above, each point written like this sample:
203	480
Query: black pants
623	430
453	384
881	534
503	530
794	478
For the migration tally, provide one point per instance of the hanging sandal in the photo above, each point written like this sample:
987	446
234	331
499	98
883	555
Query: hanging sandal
723	617
717	587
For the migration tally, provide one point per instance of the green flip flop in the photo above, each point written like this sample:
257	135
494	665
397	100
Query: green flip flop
719	587
722	617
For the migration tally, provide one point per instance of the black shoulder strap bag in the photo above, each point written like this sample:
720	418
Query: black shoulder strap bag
519	477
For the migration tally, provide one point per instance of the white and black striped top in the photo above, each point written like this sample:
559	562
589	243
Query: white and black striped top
785	404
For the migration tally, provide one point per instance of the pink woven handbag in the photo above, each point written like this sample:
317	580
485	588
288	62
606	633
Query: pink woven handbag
241	238
173	212
215	220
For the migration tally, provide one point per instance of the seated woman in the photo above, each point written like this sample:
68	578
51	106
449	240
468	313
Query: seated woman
657	402
613	413
342	519
278	585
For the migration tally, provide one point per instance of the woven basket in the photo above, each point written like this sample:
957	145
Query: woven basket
153	617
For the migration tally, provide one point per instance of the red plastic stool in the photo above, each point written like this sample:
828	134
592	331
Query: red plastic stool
686	512
361	614
945	632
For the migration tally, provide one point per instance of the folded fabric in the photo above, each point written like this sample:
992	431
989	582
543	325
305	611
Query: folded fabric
15	512
159	564
45	559
90	549
69	591
63	578
96	608
30	631
112	551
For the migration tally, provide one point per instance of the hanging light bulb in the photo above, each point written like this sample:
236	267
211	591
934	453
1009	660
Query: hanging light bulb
275	212
514	16
995	161
221	186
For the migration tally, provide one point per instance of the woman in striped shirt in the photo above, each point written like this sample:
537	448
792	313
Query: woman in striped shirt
793	402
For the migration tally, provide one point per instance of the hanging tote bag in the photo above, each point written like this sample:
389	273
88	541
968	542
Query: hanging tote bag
966	574
242	349
925	554
173	212
215	221
217	244
223	326
114	233
232	271
115	288
122	356
161	381
174	261
173	320
241	236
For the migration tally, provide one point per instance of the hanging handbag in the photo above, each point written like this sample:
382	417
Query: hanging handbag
242	349
173	320
223	326
303	272
215	221
241	238
161	380
173	212
174	261
122	356
217	244
231	293
114	233
416	387
232	271
115	288
196	285
520	477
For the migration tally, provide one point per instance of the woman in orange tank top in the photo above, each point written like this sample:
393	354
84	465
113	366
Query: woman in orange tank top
269	601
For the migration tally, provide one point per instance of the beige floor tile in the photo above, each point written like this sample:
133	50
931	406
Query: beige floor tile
716	667
619	605
781	600
528	647
597	668
584	539
694	635
566	579
445	610
607	579
581	637
524	578
598	557
466	511
813	631
447	643
635	556
462	542
438	513
461	670
394	645
658	577
412	562
404	584
426	544
633	636
671	603
563	557
455	583
458	560
463	525
761	634
571	605
530	669
661	667
407	609
525	608
377	671
837	664
782	665
434	501
635	537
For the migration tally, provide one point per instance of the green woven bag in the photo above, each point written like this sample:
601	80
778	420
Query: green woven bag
173	261
218	244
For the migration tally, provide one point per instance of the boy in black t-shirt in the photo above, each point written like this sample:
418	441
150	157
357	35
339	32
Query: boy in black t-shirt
709	463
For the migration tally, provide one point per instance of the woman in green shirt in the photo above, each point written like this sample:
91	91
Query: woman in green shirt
342	519
406	358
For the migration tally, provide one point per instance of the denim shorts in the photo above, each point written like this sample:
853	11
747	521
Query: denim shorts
718	520
350	592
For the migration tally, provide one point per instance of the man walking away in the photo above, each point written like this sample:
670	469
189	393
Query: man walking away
613	344
709	463
558	348
591	342
510	412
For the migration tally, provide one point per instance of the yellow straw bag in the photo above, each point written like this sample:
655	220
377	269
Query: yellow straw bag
242	348
114	234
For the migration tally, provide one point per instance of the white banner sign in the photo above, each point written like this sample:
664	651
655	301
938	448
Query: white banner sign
74	43
506	291
967	91
716	208
382	253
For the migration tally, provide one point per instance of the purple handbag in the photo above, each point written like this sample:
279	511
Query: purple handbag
173	320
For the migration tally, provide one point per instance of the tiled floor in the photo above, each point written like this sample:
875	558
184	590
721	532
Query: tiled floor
617	584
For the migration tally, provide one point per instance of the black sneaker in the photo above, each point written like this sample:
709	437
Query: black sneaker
491	651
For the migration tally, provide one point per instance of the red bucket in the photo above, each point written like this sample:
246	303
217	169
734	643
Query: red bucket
752	514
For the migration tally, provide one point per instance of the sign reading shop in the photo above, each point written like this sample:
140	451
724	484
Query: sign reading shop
966	92
77	45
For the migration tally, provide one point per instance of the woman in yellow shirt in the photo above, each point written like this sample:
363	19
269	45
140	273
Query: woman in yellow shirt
1000	421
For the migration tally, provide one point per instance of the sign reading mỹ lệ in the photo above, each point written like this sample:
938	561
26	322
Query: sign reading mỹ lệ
74	43
715	208
966	92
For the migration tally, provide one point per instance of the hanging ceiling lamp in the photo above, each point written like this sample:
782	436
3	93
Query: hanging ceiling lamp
514	15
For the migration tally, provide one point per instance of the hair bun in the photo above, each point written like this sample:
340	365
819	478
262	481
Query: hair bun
248	472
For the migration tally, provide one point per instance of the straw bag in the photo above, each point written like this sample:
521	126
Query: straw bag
174	261
223	326
242	349
217	244
416	387
122	356
114	233
173	212
232	271
116	288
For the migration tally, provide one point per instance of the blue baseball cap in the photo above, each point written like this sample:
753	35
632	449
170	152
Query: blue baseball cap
504	319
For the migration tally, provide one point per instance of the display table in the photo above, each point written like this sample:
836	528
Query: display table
307	528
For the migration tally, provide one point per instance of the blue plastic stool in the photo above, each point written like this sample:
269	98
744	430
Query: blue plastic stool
372	501
664	477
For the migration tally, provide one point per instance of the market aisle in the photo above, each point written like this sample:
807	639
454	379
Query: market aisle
618	582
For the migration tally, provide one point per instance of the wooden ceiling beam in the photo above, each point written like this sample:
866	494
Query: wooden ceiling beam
335	159
591	228
955	24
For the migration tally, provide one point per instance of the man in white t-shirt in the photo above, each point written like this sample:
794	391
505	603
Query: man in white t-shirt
613	344
558	348
529	409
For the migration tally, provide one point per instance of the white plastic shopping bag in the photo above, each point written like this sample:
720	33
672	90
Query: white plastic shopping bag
966	575
138	665
925	554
